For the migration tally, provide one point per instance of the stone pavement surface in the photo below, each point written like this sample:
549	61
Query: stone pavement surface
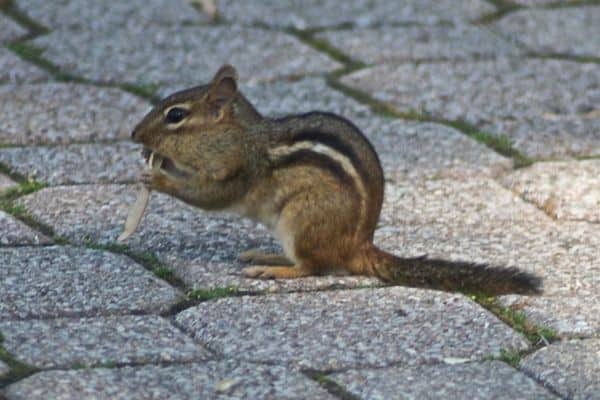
486	117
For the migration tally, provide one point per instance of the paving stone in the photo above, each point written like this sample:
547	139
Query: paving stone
76	163
194	54
201	247
534	3
419	43
555	31
10	29
479	221
317	13
57	281
209	380
564	190
6	183
406	149
15	233
64	343
65	112
14	70
486	380
3	369
380	327
100	16
570	368
548	108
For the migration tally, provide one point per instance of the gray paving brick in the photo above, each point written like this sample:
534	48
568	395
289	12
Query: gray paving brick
67	281
419	43
15	233
102	16
570	368
194	54
566	190
200	247
14	70
479	221
349	328
66	112
486	380
76	163
64	343
555	31
10	29
318	13
6	183
546	107
3	369
210	380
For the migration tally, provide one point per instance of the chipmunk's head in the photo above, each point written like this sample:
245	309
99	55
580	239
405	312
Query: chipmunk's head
194	121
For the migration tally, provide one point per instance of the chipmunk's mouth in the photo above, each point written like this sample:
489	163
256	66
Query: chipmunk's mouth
165	164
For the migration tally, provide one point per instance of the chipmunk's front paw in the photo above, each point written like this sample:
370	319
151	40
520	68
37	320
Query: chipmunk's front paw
259	272
146	178
277	272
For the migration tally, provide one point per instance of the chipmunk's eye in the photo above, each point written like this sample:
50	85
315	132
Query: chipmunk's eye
175	115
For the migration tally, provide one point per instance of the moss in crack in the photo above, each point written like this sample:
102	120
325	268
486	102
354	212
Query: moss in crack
538	335
200	295
9	7
33	54
145	91
335	389
17	369
503	7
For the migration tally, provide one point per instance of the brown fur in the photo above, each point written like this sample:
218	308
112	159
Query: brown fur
313	179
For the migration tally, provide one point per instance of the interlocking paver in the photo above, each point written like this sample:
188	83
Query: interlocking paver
419	43
76	163
10	29
486	380
546	107
92	15
564	189
15	233
318	13
350	328
570	368
406	149
479	221
200	247
210	380
6	183
64	343
14	70
66	281
194	54
555	31
66	112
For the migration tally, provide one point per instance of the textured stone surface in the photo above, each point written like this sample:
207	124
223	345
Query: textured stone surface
570	368
64	112
3	369
6	183
480	221
564	190
534	3
15	233
485	380
102	16
77	163
200	247
405	148
194	54
213	379
555	31
349	329
318	13
64	343
14	70
419	43
66	281
546	107
10	29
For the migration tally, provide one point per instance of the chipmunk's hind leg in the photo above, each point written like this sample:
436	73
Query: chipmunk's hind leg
257	257
276	272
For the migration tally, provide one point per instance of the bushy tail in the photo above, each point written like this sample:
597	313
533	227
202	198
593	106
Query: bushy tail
451	276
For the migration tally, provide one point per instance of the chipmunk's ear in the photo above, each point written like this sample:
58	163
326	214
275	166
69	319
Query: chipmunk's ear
223	88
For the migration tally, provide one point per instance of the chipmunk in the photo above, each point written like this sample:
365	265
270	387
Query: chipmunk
313	179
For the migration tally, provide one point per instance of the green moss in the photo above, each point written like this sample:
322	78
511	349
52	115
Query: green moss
334	388
10	8
18	370
146	91
214	293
